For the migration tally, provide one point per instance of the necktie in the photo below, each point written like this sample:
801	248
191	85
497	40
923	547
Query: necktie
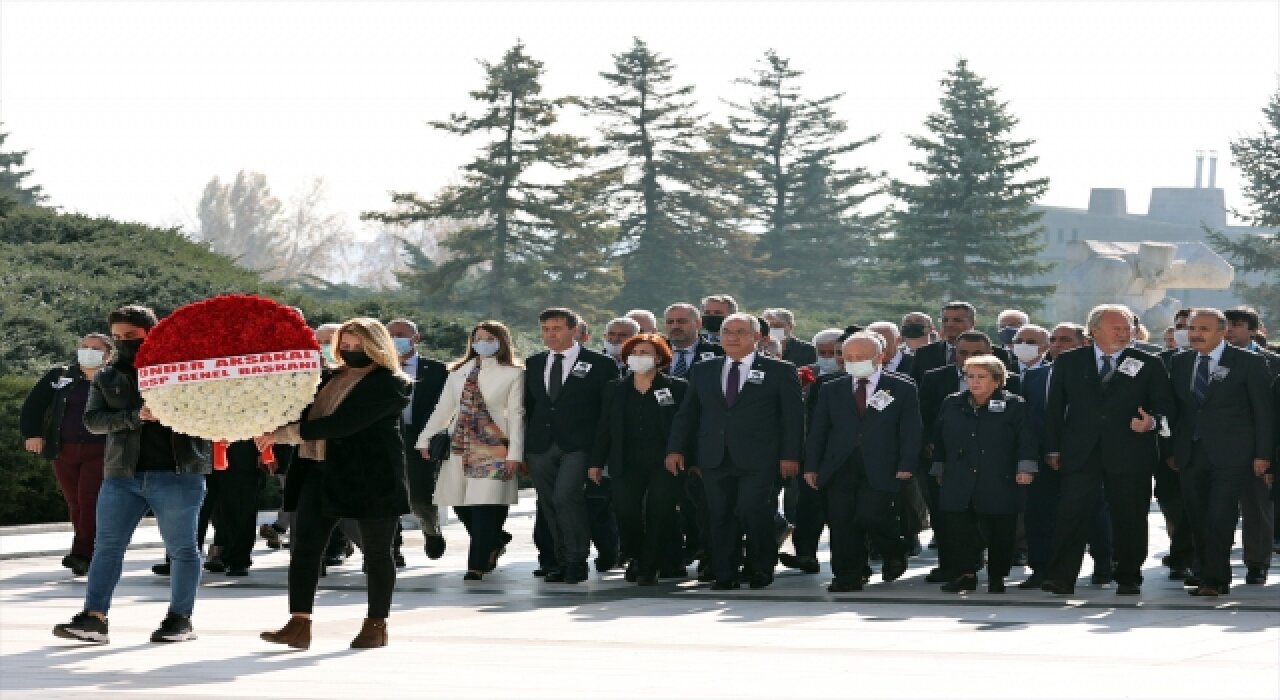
731	384
1106	366
557	377
682	364
860	396
1201	385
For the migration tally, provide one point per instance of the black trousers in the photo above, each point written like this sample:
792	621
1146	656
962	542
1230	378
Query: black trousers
1212	499
311	528
1040	518
740	501
601	523
235	510
1128	497
968	531
542	540
1182	548
484	525
810	518
645	499
857	513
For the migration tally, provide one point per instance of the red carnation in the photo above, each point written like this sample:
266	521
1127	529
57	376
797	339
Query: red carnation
806	376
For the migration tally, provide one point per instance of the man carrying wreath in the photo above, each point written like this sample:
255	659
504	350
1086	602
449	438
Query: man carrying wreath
146	466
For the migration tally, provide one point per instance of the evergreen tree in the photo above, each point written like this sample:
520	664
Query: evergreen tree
512	223
12	178
666	173
814	241
969	232
1258	158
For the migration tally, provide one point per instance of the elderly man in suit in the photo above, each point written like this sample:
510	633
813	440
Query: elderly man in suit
1223	442
421	474
564	385
745	414
782	327
957	317
863	445
1106	405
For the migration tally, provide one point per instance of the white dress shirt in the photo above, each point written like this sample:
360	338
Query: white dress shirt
570	359
744	367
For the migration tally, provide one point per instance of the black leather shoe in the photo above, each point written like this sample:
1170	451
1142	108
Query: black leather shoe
674	572
80	565
1180	573
575	572
1020	558
160	569
1057	587
1191	581
893	570
633	572
761	580
334	561
646	580
1033	581
939	576
605	563
1208	591
434	546
214	564
809	565
962	583
554	576
399	559
1257	576
237	571
844	586
732	585
995	585
913	546
1101	577
473	576
1129	589
706	577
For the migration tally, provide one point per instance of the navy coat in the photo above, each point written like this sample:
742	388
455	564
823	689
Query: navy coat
890	437
978	452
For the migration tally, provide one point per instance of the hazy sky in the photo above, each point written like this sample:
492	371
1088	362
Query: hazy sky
130	108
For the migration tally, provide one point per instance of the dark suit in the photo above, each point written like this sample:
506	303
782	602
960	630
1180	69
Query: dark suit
1041	512
934	355
558	438
904	365
1257	507
1215	441
645	494
799	352
810	515
737	449
1087	424
857	460
702	351
420	473
978	452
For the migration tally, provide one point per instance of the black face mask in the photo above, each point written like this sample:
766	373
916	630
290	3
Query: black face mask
356	359
127	350
712	323
1007	334
913	330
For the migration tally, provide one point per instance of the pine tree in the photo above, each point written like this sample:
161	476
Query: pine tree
814	241
12	178
969	231
678	230
1258	158
513	224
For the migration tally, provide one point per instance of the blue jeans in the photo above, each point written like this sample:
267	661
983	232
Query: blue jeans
175	500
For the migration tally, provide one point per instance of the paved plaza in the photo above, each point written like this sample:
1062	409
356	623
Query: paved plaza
512	635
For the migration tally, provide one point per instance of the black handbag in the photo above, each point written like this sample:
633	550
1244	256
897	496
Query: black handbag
439	446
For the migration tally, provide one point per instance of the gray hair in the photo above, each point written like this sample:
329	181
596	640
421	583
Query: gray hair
1096	313
406	322
827	335
1022	315
749	318
888	326
643	313
783	315
631	323
722	299
1033	328
1208	311
694	312
869	336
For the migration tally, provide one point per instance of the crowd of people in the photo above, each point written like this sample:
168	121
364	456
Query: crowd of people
713	440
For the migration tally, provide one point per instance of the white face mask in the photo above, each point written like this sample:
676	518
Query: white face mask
1026	352
1182	338
485	348
778	334
827	365
610	349
90	357
640	363
860	369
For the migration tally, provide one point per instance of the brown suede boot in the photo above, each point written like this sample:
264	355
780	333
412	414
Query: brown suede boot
296	633
372	635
